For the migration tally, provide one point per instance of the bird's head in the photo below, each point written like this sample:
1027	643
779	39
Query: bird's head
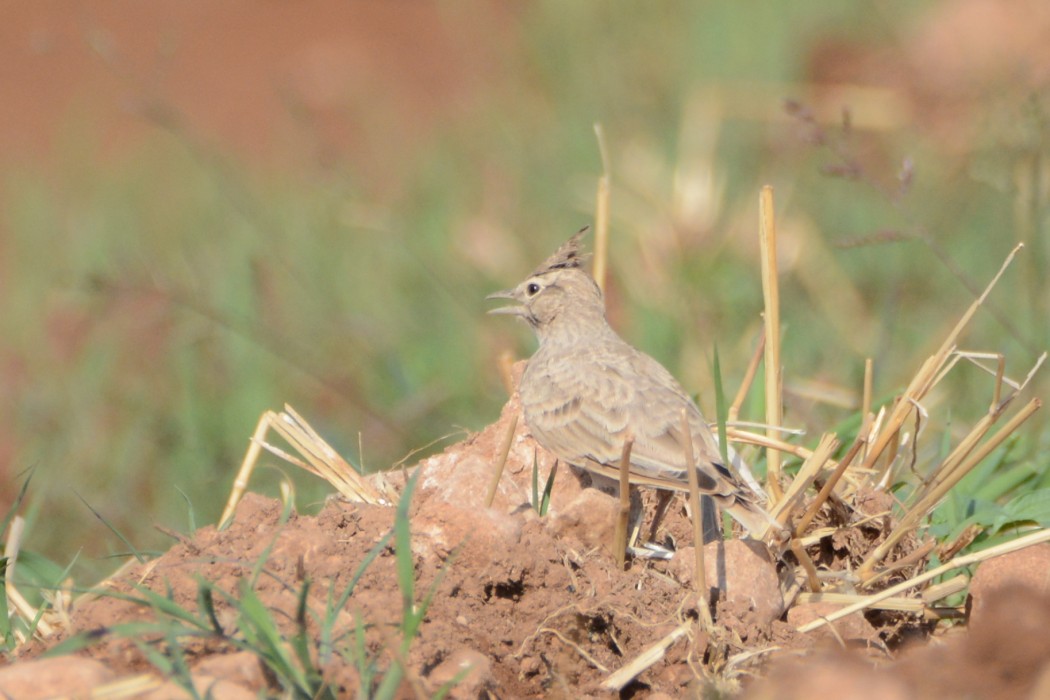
558	295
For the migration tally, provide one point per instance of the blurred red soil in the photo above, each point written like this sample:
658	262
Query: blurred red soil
266	81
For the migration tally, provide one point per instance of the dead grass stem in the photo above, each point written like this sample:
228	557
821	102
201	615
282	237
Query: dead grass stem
319	458
696	506
771	318
601	214
624	513
504	452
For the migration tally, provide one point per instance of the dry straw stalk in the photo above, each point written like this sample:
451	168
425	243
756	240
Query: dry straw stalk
319	458
771	297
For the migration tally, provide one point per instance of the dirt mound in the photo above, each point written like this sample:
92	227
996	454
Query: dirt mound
531	606
540	600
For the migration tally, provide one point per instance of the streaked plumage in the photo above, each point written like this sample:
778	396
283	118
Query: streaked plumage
585	388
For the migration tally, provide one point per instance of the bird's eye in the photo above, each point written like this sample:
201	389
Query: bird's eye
532	289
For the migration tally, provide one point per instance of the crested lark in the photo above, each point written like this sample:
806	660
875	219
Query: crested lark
585	389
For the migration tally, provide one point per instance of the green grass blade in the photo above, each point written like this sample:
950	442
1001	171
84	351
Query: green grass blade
373	553
548	488
366	669
166	605
391	681
447	687
17	503
170	661
76	642
264	638
127	543
1028	508
327	643
260	562
206	604
406	582
535	483
720	408
300	641
1006	480
191	514
129	630
403	552
7	636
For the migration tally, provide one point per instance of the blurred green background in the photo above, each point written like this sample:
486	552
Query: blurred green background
208	212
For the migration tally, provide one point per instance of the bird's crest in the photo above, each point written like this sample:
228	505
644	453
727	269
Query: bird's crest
569	256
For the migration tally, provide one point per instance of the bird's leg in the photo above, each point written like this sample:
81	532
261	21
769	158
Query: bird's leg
637	515
662	502
712	524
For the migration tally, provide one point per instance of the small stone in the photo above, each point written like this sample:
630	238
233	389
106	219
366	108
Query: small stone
206	686
478	676
742	569
242	667
530	666
589	518
854	626
1029	567
55	677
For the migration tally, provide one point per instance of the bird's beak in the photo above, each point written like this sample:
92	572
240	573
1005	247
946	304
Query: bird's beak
513	310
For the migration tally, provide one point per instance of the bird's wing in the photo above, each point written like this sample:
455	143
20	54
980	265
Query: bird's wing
585	413
656	419
577	415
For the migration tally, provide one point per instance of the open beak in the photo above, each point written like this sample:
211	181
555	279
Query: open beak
512	310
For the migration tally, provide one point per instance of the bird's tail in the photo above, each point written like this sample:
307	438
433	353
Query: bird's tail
755	519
